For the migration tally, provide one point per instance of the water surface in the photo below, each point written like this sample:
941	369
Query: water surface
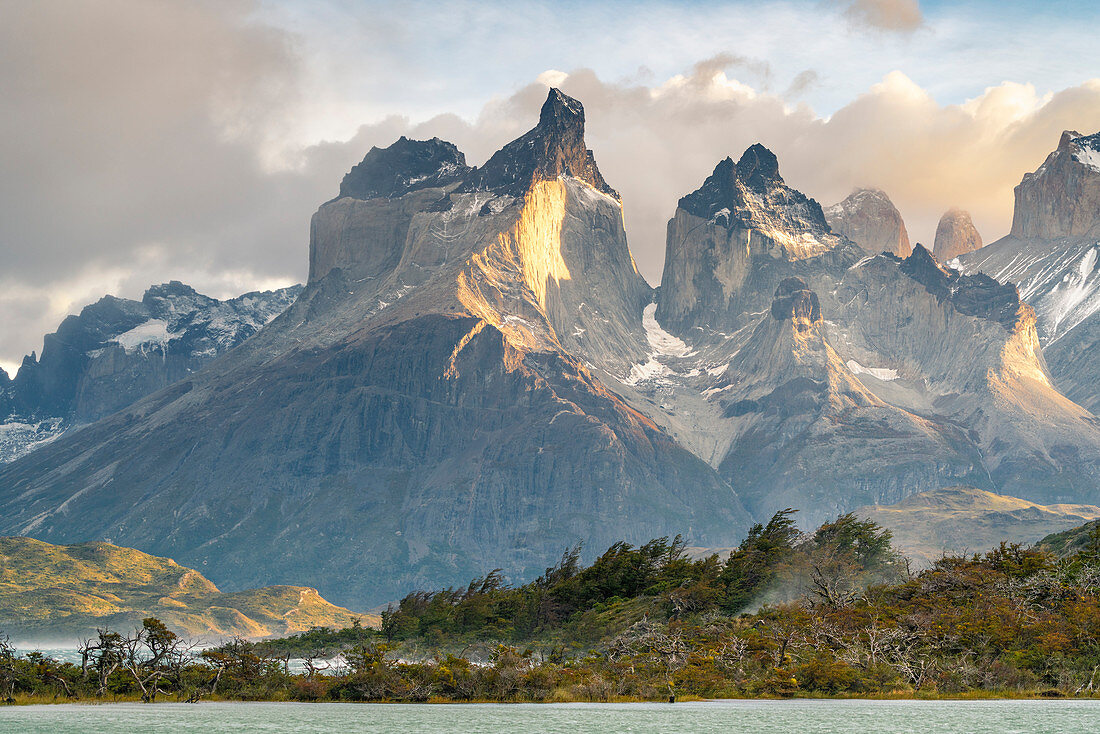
802	716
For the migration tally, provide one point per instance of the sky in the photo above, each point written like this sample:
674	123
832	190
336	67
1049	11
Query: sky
145	140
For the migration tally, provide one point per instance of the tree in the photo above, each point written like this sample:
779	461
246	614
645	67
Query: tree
846	556
154	652
7	669
753	567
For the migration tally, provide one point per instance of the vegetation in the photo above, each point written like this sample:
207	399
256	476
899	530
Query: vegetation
55	591
832	613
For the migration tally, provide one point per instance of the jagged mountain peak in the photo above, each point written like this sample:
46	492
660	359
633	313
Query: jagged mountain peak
751	193
561	110
172	288
404	166
553	148
758	167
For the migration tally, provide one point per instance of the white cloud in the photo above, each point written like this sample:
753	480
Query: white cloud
141	142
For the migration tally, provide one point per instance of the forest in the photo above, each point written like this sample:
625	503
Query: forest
834	612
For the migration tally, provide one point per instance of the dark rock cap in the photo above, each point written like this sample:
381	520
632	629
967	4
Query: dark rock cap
405	166
555	147
794	299
748	185
169	289
758	167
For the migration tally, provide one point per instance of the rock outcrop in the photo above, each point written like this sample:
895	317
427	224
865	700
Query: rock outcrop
892	375
734	239
955	235
1052	255
868	218
1062	197
476	376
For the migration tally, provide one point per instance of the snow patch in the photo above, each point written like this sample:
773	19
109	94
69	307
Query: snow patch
879	373
152	333
661	344
1089	157
18	438
647	371
863	262
660	341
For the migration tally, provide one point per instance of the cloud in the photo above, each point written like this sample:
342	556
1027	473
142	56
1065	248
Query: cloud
888	15
141	142
656	143
134	146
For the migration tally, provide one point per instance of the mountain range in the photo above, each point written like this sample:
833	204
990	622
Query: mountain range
475	375
118	350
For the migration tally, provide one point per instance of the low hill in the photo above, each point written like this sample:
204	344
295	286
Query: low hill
64	591
1074	540
968	520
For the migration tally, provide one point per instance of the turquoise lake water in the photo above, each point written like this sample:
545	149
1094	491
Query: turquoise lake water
801	716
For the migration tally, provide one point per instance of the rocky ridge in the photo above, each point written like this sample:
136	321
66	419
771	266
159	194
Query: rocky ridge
965	520
117	351
64	593
1052	256
476	376
916	377
429	407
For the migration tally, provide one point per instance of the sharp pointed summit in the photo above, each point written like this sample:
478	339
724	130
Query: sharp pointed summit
553	148
742	213
758	167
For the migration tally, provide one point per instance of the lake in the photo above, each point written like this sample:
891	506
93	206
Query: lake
802	716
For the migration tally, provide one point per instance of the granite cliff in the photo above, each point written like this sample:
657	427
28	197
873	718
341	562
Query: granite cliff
868	218
428	407
1052	256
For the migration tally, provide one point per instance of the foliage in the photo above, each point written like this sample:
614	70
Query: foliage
834	615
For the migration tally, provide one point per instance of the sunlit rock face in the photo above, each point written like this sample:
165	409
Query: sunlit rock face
818	379
868	218
1052	255
433	405
117	351
476	376
955	235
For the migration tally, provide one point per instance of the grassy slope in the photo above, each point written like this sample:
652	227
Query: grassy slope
969	520
1070	541
65	590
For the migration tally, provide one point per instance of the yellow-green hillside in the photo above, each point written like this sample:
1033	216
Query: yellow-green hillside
969	520
61	591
